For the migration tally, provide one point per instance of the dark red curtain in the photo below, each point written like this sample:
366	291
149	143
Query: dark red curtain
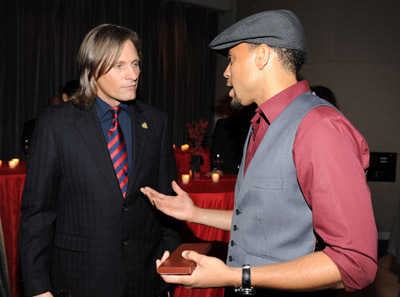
40	41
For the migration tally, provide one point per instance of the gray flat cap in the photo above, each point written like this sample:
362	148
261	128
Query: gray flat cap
280	28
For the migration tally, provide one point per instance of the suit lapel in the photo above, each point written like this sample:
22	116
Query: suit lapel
139	129
89	127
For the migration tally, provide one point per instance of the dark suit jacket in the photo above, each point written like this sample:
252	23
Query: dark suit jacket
77	231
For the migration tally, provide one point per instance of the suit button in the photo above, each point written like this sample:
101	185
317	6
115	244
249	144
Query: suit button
232	243
230	259
235	228
238	211
124	208
124	243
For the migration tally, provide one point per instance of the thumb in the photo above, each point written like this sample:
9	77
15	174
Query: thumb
177	189
191	255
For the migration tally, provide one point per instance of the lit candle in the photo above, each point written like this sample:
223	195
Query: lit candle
16	161
12	164
215	177
184	147
1	162
185	178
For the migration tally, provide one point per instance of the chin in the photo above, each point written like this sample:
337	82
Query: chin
236	103
129	98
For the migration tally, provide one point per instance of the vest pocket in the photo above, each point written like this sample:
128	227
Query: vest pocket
259	260
264	183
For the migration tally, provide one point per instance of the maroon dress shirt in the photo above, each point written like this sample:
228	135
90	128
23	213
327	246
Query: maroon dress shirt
331	157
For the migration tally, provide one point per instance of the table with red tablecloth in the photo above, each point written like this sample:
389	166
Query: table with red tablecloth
207	194
183	159
203	192
11	186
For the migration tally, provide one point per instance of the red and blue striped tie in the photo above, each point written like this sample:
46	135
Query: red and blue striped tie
117	149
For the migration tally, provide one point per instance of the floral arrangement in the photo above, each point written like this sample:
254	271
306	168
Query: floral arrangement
197	131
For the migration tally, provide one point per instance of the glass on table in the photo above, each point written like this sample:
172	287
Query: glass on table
217	162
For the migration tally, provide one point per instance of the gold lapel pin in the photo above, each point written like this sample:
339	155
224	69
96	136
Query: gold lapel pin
144	125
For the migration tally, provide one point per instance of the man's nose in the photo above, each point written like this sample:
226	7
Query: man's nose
227	72
133	73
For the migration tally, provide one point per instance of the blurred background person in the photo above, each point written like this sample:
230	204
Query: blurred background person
229	136
325	93
67	93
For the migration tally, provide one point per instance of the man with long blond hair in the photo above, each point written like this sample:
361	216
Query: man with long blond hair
85	227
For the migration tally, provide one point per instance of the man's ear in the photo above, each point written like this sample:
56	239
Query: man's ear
262	56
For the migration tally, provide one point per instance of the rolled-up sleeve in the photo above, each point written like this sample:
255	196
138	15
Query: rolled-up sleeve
331	157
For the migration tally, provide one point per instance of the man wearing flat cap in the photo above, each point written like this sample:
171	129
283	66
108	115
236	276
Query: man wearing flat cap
303	219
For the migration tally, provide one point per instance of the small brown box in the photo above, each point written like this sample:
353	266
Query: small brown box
176	264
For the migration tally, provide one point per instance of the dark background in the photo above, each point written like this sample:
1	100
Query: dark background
40	41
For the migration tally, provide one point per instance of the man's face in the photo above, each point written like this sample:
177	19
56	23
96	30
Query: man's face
240	75
120	83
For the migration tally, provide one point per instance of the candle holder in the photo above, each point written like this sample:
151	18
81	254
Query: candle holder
12	163
184	147
215	176
16	161
185	178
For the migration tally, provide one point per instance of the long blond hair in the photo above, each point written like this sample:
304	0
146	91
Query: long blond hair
97	54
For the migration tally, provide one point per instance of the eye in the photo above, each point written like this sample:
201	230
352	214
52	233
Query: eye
118	66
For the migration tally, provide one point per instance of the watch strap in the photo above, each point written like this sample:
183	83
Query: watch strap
246	276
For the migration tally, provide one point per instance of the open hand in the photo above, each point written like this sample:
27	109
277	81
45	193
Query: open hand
180	207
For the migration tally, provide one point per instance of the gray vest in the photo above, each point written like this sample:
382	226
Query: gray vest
272	221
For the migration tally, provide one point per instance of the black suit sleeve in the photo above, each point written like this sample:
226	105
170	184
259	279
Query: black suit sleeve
39	210
167	173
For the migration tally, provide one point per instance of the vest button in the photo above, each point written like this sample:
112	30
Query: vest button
124	243
124	208
232	243
238	211
235	228
230	259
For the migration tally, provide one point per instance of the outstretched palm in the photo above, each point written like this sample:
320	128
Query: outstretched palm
180	207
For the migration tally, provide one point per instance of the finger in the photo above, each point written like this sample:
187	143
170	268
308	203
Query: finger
153	192
174	279
150	197
178	190
158	263
165	256
146	192
192	255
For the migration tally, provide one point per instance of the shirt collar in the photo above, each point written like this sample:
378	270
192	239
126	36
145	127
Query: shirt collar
102	107
276	104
